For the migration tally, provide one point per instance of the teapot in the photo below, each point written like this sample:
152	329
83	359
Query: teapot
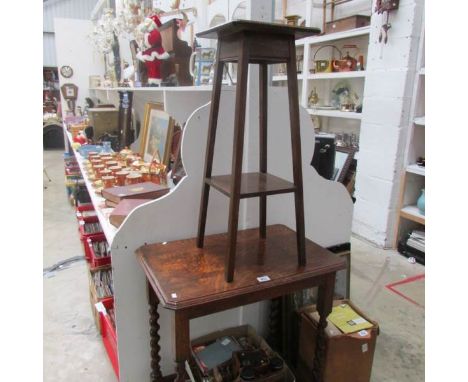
347	63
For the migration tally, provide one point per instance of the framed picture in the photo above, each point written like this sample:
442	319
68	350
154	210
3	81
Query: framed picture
343	159
156	134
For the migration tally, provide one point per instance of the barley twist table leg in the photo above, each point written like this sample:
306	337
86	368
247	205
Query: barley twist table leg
156	375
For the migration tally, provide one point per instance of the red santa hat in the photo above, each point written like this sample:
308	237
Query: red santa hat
156	20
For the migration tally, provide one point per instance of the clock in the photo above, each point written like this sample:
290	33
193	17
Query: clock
66	71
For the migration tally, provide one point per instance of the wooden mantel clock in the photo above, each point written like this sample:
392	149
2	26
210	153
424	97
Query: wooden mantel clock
70	94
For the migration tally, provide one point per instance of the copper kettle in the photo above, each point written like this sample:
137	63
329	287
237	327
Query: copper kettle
347	63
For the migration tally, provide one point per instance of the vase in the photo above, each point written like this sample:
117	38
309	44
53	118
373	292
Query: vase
421	203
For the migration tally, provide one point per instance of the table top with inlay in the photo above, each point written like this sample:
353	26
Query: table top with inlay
184	276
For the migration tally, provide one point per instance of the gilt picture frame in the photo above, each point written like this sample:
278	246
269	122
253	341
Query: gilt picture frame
156	134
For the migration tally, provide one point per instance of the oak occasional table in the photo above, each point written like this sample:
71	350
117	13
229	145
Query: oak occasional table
190	281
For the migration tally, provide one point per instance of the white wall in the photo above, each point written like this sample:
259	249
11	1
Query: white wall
385	120
74	48
388	90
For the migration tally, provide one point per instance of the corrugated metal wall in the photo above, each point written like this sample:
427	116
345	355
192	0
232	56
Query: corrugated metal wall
48	45
73	9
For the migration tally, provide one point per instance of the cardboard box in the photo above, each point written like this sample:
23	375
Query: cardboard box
348	357
246	331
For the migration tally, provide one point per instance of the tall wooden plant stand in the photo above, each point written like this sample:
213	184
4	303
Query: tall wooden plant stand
259	43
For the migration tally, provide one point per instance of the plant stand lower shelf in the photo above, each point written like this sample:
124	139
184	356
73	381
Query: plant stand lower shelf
190	281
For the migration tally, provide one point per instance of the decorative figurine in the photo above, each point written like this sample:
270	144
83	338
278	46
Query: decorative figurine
154	52
313	98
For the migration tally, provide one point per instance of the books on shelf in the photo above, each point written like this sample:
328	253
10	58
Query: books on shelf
101	249
417	240
103	282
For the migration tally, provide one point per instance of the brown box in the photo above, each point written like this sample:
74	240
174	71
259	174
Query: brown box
246	331
348	357
347	23
123	209
146	190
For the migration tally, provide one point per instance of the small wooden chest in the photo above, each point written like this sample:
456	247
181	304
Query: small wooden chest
347	23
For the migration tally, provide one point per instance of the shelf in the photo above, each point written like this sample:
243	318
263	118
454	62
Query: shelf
157	89
415	169
285	78
334	36
98	201
338	75
335	113
412	213
421	121
325	76
252	184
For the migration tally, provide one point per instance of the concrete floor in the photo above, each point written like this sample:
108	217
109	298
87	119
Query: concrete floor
73	350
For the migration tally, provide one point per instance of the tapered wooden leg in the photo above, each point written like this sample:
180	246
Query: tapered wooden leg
155	375
296	152
238	149
324	308
210	145
182	344
263	97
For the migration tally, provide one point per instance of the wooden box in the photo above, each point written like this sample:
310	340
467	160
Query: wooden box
145	190
347	23
103	120
123	209
348	357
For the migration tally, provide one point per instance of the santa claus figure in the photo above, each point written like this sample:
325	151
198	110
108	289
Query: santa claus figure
153	51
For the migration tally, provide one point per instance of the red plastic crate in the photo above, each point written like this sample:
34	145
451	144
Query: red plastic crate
96	261
109	335
82	222
83	208
72	171
87	219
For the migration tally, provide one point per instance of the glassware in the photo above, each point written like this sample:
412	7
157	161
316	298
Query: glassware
134	178
108	181
106	147
121	177
97	170
115	169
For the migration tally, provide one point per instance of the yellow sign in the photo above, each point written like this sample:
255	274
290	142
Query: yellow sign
347	320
